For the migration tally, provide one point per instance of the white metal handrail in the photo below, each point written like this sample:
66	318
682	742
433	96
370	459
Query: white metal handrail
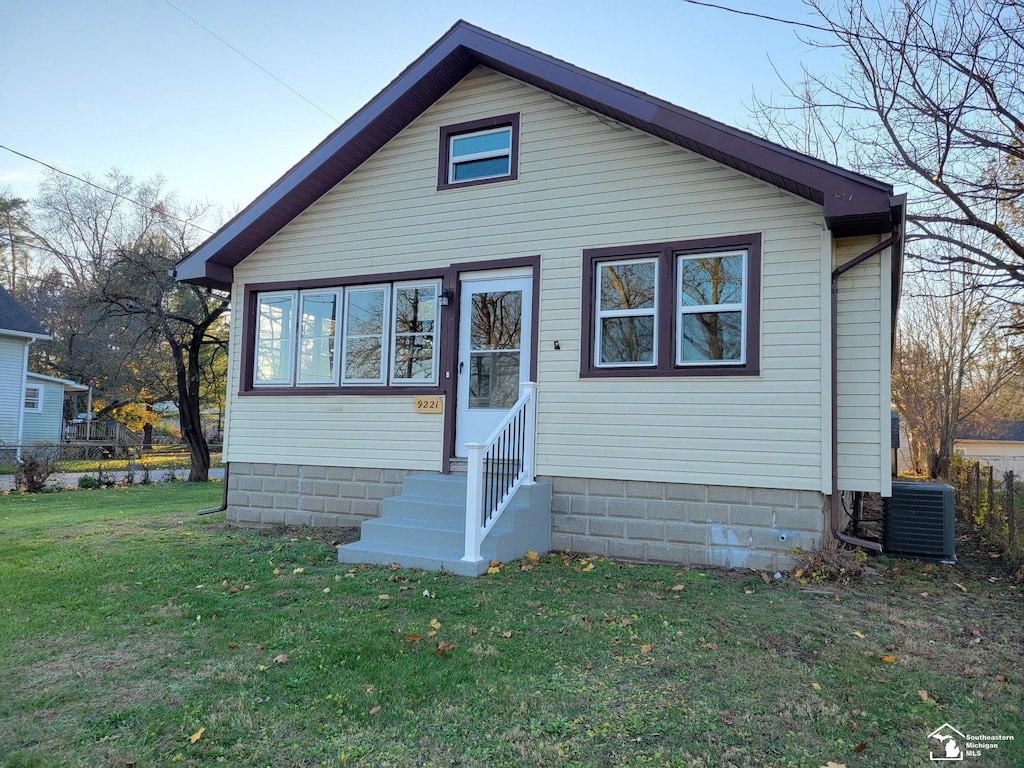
497	467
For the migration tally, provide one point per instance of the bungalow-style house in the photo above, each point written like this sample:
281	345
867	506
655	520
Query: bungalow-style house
18	397
507	283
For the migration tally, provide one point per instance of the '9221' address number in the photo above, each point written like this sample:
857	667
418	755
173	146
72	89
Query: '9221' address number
428	404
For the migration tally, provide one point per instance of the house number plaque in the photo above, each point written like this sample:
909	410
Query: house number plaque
428	404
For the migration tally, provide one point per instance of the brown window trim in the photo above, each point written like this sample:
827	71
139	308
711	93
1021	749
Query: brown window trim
666	253
249	306
447	131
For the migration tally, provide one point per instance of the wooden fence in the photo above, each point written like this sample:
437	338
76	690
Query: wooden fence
992	502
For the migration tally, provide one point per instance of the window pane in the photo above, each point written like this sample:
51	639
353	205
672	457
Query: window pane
364	312
274	334
415	309
475	143
711	280
317	342
627	340
363	358
712	336
414	357
497	321
364	334
628	286
493	379
478	169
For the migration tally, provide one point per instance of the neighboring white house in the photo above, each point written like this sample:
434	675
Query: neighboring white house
1000	445
18	331
707	315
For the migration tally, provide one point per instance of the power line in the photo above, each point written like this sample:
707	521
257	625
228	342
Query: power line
102	189
254	63
941	52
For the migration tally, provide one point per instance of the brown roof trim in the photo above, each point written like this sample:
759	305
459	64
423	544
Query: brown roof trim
853	204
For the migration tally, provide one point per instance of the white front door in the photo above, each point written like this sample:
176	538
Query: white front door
495	333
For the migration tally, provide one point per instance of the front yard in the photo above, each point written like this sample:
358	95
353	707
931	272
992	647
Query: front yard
137	634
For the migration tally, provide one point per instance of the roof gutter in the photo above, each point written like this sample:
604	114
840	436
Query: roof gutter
834	498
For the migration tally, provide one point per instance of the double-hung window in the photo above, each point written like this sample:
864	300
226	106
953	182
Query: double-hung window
355	335
676	309
33	399
478	152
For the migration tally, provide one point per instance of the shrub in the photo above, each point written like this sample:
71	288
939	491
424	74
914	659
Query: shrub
88	482
833	562
33	468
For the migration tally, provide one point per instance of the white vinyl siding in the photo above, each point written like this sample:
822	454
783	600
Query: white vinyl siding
583	182
12	387
863	375
44	424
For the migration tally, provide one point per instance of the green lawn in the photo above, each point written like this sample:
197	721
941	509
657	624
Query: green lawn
138	634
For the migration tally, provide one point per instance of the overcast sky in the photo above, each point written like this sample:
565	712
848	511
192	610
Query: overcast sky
140	86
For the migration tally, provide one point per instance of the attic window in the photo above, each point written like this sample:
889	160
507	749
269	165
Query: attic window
479	152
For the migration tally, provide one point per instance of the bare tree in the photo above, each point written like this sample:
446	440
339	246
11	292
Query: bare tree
952	360
931	99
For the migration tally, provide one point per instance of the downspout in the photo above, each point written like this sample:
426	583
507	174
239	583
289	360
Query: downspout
224	498
24	386
834	498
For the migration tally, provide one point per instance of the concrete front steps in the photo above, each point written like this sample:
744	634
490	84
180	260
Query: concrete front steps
424	527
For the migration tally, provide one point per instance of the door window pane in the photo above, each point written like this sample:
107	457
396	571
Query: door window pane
493	379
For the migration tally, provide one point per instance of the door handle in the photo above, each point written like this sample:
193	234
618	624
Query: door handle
460	368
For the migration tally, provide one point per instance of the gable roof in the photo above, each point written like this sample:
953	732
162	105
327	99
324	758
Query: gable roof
854	204
16	321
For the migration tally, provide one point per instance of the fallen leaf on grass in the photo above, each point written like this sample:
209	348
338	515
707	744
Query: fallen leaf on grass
765	577
368	688
711	646
678	587
816	686
958	584
1001	679
533	557
830	764
889	659
300	569
435	623
858	633
232	645
748	590
410	638
473	630
443	646
383	596
428	593
860	747
493	568
507	633
922	694
262	667
588	567
281	658
197	735
375	711
646	648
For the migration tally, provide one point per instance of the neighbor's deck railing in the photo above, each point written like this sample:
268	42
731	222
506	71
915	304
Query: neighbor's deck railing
101	430
497	467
